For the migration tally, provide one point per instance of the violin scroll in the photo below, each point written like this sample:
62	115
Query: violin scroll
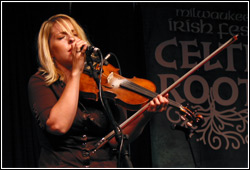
192	117
199	119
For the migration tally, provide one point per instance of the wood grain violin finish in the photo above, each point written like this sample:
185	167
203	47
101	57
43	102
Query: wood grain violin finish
129	93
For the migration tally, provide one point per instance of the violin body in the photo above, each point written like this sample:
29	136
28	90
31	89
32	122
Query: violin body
122	90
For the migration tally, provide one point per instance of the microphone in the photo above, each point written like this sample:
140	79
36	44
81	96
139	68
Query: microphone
90	58
90	49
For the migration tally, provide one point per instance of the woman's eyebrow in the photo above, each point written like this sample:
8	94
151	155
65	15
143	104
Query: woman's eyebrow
66	32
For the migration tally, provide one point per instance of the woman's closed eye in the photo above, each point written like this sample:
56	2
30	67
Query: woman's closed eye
61	37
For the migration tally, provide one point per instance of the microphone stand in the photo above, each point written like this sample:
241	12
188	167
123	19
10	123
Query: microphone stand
120	137
188	134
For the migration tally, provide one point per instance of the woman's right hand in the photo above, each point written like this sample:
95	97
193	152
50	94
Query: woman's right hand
79	48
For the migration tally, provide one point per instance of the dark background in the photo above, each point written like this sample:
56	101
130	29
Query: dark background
112	27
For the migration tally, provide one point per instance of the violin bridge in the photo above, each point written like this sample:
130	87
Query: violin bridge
114	81
110	77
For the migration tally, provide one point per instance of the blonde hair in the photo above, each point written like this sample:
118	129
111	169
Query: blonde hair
47	66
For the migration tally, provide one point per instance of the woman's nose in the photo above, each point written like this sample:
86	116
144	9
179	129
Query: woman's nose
71	39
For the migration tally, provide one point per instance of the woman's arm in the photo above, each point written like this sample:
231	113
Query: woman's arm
63	112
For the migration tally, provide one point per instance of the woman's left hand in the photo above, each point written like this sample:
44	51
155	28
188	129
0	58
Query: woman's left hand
158	104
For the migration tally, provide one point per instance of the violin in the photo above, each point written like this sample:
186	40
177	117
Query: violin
132	94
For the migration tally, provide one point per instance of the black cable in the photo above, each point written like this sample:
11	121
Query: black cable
122	135
118	131
117	61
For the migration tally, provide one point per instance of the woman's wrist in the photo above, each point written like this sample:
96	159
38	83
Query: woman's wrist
75	74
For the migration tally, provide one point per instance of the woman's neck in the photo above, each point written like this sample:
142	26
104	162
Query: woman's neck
66	72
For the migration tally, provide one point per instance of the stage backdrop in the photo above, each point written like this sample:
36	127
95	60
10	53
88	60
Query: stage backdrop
177	36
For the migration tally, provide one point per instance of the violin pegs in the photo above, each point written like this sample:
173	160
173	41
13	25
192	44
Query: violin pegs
190	123
183	117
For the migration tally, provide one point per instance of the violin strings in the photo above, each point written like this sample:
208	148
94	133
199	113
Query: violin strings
139	89
132	86
146	92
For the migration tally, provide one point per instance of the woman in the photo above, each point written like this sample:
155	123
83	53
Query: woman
70	126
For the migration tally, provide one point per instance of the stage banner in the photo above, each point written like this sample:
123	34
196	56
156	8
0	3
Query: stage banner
177	37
